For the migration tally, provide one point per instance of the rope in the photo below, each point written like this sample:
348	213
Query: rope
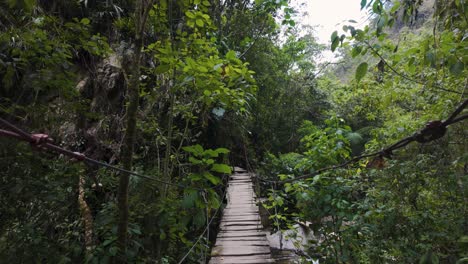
204	231
43	142
432	131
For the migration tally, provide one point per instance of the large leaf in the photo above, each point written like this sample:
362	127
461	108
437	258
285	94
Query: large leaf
162	68
361	71
213	179
194	160
363	3
335	40
196	150
221	168
189	199
222	150
211	153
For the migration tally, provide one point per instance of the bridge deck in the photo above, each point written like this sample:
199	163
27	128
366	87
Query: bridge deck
241	238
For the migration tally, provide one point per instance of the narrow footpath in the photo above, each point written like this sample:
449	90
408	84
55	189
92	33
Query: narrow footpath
241	238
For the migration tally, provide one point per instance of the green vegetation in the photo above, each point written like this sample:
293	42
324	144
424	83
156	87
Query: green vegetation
182	90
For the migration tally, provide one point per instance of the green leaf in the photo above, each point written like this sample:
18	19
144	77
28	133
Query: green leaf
211	153
85	21
430	58
377	8
356	51
213	179
194	160
221	168
29	5
361	71
380	25
199	218
199	22
108	242
457	68
197	150
162	68
189	199
231	55
216	152
190	14
335	40
363	4
335	43
213	199
202	69
222	150
334	35
395	7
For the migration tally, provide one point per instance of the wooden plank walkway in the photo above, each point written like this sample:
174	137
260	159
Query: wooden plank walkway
241	238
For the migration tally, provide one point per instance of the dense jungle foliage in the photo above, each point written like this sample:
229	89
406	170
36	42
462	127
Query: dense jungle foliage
182	90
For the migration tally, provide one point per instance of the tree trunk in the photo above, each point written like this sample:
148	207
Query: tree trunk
133	86
127	151
86	215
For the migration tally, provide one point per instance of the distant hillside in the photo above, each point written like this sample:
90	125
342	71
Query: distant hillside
422	19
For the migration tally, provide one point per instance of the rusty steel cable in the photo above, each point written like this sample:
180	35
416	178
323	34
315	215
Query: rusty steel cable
43	142
432	131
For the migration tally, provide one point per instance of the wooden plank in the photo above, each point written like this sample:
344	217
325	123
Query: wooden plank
240	228
242	207
236	243
251	233
243	202
248	217
243	239
242	260
240	211
253	217
240	251
234	223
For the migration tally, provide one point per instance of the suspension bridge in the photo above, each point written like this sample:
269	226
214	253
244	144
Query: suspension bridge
241	238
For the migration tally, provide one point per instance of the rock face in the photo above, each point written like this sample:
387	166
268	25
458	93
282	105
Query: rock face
241	238
294	239
105	91
286	244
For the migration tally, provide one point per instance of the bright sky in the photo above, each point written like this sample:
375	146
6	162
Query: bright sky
330	15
